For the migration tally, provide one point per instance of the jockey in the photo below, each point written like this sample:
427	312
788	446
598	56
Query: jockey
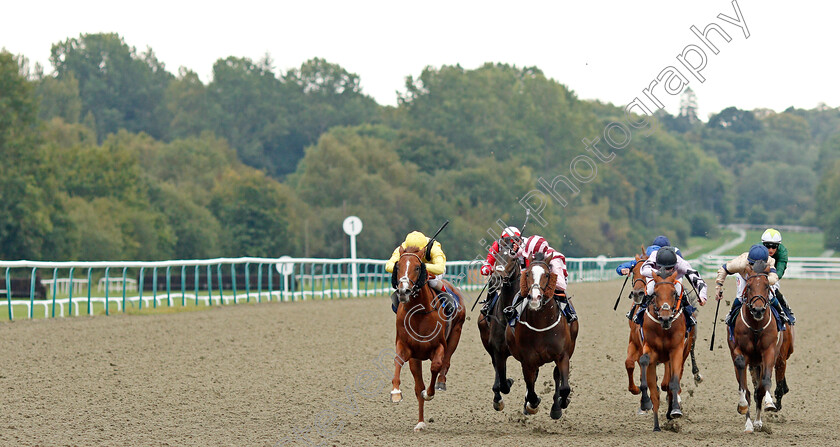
660	241
435	267
538	244
510	239
772	239
664	262
738	267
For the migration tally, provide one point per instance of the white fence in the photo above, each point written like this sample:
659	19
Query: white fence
119	285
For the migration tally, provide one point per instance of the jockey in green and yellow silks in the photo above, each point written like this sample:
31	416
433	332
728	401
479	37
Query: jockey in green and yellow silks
435	267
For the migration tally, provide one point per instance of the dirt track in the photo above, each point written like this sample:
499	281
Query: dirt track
256	374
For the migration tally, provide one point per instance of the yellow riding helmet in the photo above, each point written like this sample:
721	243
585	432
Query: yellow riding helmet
771	235
416	239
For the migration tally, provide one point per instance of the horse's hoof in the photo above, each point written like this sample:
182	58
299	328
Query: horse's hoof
556	412
698	379
528	410
676	413
419	426
758	425
748	427
396	396
441	386
647	405
499	406
425	396
742	409
769	406
656	428
640	412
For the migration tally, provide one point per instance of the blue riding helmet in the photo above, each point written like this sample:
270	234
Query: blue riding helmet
757	252
661	241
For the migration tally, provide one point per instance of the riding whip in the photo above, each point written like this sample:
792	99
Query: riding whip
522	230
479	294
714	326
622	291
432	241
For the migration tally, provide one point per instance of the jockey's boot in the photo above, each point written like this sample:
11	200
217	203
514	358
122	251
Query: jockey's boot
631	312
778	306
788	312
446	298
395	301
488	303
566	306
510	311
736	306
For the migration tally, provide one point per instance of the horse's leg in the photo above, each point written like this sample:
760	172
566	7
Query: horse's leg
698	378
654	393
561	387
781	367
573	332
633	355
403	353
744	393
767	363
644	364
532	400
451	344
437	364
666	375
502	383
676	368
417	371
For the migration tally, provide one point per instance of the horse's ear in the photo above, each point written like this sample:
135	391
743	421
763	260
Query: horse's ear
402	250
549	258
760	267
422	253
673	277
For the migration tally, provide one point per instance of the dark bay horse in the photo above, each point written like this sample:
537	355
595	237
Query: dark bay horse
542	335
663	341
426	329
755	342
634	346
492	328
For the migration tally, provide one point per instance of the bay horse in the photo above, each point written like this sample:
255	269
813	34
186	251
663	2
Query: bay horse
662	334
542	335
492	328
755	342
425	331
634	346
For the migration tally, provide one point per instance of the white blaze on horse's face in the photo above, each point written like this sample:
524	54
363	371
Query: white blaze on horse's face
536	293
404	284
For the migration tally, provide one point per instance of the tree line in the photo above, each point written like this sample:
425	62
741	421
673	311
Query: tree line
109	156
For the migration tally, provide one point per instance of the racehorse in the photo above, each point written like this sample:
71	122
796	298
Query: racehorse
785	352
634	346
755	342
492	328
542	335
426	328
662	334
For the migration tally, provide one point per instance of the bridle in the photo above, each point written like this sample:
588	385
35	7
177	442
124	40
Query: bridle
666	324
543	296
415	286
750	303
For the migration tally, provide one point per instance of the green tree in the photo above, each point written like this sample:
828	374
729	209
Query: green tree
122	89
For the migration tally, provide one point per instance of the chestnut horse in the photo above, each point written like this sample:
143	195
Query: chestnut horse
662	334
424	329
542	335
755	342
634	346
492	328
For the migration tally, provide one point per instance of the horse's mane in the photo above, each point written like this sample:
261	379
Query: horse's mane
412	249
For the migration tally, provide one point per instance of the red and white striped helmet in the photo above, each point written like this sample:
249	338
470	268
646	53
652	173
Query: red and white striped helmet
511	232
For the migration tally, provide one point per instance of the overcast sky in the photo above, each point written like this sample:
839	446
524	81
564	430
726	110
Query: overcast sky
607	50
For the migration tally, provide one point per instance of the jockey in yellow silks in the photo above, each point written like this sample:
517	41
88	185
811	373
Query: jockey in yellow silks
435	267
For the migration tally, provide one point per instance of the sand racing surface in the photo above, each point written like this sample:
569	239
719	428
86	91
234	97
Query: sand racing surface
318	373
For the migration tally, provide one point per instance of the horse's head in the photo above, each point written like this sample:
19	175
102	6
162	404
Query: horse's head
537	281
639	282
507	265
409	273
665	299
757	290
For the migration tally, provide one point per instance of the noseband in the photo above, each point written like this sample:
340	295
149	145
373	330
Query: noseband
415	286
656	308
